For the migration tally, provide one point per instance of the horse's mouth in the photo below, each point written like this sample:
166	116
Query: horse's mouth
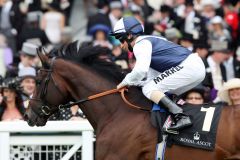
36	122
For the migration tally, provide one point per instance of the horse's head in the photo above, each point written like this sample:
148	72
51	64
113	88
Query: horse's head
49	94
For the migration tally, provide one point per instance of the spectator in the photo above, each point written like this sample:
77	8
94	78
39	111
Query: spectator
11	22
195	95
27	77
100	17
11	104
173	34
208	9
168	19
187	41
215	70
230	92
31	29
27	55
6	55
72	114
232	66
193	22
100	34
217	30
201	47
53	22
116	10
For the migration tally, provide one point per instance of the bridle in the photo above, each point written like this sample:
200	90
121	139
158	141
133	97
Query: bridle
46	110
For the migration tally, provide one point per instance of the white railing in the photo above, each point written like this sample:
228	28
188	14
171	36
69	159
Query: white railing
82	136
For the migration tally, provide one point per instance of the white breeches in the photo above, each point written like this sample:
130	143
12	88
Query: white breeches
176	80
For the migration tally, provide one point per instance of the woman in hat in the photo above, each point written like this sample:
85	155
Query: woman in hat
11	104
230	92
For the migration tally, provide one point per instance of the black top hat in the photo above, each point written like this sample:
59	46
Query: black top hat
189	3
55	5
187	37
165	8
201	44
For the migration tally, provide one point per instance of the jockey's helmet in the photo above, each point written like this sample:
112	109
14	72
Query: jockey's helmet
126	26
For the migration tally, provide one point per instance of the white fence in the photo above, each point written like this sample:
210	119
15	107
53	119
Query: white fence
79	134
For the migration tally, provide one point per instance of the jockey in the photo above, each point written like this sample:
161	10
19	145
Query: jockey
161	67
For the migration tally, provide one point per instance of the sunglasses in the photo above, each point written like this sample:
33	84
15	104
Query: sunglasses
121	39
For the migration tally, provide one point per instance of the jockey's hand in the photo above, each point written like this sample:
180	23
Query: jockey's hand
121	85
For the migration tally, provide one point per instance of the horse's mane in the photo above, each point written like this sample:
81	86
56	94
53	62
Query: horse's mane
89	56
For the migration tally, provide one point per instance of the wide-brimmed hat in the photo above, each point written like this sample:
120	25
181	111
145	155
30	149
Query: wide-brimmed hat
10	83
99	27
216	20
27	72
29	49
230	84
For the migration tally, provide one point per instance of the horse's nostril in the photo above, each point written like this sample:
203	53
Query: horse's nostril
25	117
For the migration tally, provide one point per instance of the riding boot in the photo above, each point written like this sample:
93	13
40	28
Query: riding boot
181	120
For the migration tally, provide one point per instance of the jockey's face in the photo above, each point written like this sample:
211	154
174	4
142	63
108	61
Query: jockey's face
124	46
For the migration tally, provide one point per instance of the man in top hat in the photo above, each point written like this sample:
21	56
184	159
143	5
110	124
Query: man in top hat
27	77
27	55
215	70
187	41
31	29
201	47
193	23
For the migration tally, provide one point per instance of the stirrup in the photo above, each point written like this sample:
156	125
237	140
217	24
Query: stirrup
166	130
167	124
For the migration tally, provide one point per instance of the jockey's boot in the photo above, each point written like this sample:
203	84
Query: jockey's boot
181	120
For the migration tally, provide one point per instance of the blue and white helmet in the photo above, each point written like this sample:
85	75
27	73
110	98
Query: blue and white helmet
127	25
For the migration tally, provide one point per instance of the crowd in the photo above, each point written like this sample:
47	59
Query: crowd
24	27
209	28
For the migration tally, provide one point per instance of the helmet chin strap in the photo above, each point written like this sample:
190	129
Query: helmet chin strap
129	41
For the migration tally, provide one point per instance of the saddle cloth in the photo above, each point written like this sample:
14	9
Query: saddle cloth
203	132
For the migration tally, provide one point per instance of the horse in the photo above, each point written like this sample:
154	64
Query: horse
122	132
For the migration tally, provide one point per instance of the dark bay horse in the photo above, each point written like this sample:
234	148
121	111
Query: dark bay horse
123	133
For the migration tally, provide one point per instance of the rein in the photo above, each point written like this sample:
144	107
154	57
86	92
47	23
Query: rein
95	96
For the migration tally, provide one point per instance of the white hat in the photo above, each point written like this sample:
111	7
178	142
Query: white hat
230	84
27	72
115	5
216	20
29	49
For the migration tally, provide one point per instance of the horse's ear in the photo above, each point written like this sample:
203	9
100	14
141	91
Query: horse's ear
43	57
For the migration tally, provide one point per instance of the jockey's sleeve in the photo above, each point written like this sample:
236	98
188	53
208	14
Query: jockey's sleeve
143	53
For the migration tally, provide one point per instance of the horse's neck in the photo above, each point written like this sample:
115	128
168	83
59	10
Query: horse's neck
82	83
